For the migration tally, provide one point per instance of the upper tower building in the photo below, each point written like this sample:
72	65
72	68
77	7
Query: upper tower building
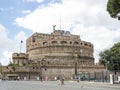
59	46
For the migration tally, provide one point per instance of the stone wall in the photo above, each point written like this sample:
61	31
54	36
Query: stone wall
68	72
54	55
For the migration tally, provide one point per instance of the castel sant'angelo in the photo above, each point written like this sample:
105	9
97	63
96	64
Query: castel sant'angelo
59	54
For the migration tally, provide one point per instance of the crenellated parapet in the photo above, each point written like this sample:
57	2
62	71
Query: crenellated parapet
57	38
20	58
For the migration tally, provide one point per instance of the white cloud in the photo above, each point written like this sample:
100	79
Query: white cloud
40	1
4	40
6	57
5	46
20	36
41	19
26	11
8	46
100	36
20	47
87	18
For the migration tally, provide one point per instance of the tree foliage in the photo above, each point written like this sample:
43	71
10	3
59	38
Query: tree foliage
113	7
111	58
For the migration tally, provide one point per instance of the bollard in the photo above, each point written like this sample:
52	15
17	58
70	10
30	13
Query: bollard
111	79
78	80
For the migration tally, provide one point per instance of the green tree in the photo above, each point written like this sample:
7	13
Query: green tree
111	58
14	66
113	7
104	57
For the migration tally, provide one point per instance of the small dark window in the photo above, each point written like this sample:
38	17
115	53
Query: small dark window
33	39
45	69
70	42
76	43
48	62
85	44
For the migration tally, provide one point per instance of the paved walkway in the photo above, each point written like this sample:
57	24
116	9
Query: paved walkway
54	85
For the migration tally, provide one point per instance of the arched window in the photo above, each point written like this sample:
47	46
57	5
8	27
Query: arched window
45	43
54	42
85	44
63	42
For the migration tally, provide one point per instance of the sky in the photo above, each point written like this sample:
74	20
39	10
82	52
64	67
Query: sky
19	19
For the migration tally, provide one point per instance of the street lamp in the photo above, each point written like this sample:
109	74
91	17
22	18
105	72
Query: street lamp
75	67
76	61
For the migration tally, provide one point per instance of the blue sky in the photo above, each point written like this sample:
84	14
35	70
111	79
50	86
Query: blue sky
88	18
11	9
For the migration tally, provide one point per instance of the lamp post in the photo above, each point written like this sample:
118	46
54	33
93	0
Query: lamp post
75	62
106	77
39	68
75	66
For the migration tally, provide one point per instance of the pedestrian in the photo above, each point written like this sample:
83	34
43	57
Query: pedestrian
46	78
62	81
58	79
55	78
78	79
41	78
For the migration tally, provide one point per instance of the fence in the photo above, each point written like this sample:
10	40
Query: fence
103	76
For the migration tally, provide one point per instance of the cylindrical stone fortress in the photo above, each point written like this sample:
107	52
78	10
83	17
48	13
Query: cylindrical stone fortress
59	46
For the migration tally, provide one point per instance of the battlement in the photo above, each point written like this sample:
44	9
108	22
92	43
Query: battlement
20	58
19	55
